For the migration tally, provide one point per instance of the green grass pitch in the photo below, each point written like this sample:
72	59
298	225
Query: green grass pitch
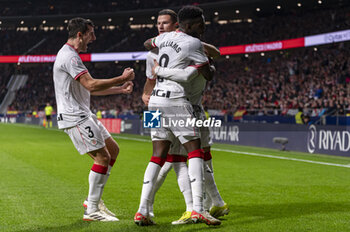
43	182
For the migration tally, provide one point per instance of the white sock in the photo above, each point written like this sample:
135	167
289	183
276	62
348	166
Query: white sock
149	179
160	180
183	180
206	200
96	185
210	185
195	171
108	173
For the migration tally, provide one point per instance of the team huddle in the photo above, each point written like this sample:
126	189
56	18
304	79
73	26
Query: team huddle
178	67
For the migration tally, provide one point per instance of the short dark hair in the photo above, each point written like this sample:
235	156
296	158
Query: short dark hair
170	12
76	25
189	13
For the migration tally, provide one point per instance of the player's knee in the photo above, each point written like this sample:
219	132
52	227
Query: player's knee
106	159
113	148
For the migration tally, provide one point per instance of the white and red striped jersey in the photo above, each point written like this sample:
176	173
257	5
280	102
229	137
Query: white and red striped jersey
72	98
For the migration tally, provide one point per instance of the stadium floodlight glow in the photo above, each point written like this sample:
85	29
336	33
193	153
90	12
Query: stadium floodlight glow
131	18
216	13
315	49
109	20
22	22
319	2
237	11
278	7
299	4
66	21
246	55
116	62
227	57
262	54
0	22
44	21
258	9
153	18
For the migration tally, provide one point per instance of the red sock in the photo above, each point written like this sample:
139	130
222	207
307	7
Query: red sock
99	169
175	158
158	160
207	156
111	163
196	154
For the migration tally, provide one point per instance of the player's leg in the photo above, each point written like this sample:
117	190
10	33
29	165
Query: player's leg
178	158
183	180
212	199
159	182
219	208
97	175
196	174
160	150
195	171
189	137
113	150
88	138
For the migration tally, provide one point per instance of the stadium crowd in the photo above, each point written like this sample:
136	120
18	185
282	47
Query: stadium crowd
260	85
123	38
273	84
10	8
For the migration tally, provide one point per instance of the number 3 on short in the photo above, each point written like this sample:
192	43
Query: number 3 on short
163	62
91	134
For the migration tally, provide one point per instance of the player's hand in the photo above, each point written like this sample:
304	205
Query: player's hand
128	74
154	67
145	98
127	87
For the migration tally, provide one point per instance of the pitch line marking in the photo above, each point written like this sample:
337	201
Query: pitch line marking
254	154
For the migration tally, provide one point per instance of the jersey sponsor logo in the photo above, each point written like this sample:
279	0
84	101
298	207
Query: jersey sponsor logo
151	119
161	93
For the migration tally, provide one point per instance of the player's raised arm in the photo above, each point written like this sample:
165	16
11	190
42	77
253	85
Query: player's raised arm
211	50
149	44
126	88
94	85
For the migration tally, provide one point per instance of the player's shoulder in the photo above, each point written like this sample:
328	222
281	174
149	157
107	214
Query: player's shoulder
66	52
166	35
193	42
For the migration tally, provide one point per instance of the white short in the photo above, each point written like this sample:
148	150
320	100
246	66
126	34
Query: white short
176	147
90	135
170	132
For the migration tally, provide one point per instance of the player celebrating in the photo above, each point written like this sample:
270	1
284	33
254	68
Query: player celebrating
167	22
73	86
177	156
177	50
195	92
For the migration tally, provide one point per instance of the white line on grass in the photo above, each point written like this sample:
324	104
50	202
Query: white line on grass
253	154
283	158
